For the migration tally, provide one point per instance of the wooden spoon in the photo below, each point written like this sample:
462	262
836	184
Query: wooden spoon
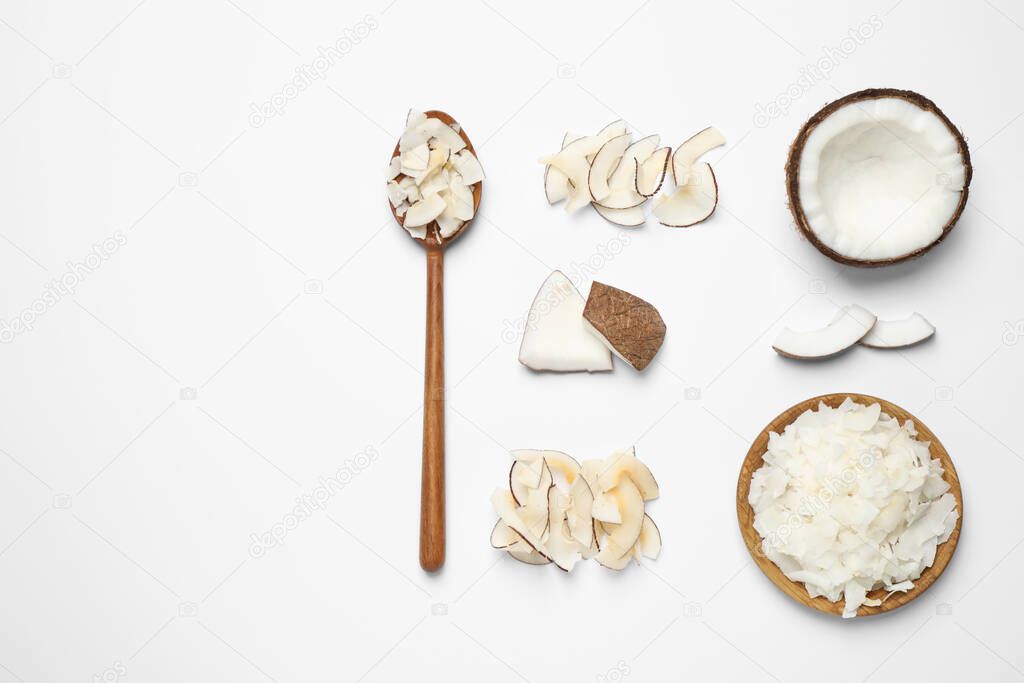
432	483
798	591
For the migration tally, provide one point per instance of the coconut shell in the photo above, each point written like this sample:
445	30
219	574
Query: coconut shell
797	148
631	327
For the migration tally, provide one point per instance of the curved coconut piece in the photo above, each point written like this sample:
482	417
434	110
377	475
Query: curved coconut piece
650	175
628	325
649	543
878	177
605	162
524	553
556	337
502	536
631	217
847	329
688	152
692	203
556	183
625	464
579	515
624	175
895	334
621	537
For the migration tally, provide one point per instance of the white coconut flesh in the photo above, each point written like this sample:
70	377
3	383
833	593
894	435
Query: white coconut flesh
549	513
556	337
849	501
894	334
880	179
849	327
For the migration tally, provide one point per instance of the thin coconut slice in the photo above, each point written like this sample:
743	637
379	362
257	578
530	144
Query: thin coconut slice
424	211
560	546
894	334
605	161
628	325
624	175
624	464
649	543
651	173
691	204
878	177
556	183
468	167
503	537
555	337
621	537
850	327
579	515
631	217
686	154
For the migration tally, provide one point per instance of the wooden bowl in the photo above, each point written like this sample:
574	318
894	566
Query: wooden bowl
798	591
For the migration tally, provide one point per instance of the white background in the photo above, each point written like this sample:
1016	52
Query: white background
127	510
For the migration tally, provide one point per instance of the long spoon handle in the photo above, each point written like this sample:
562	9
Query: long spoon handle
432	491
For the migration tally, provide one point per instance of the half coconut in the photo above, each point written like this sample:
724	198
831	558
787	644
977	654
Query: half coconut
877	177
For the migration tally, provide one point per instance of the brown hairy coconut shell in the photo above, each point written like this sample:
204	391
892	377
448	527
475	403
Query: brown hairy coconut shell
631	327
797	148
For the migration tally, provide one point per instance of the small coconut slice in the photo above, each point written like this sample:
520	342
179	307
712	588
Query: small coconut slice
849	327
894	334
625	464
878	177
651	173
555	337
468	167
528	555
689	151
631	217
649	543
605	161
621	537
579	515
560	546
424	211
692	203
556	183
628	325
394	167
624	175
502	536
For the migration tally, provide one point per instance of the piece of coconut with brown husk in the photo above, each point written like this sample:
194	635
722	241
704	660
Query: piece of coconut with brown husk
877	177
628	325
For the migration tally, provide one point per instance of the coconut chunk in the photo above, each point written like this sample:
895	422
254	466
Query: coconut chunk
555	337
849	327
628	325
692	203
689	151
651	173
895	334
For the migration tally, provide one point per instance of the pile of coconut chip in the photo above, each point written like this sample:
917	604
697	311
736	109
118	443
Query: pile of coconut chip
848	501
432	176
617	175
851	326
564	333
558	510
